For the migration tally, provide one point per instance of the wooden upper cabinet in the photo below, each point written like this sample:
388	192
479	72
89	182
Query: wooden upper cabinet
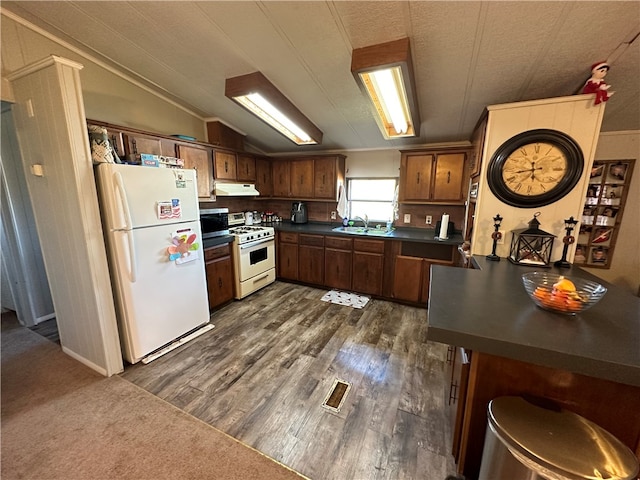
433	177
302	178
136	144
415	176
450	177
328	173
199	159
264	179
281	178
246	168
224	165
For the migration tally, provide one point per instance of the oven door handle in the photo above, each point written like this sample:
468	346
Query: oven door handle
256	243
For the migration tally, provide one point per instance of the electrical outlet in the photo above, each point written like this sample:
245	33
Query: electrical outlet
429	219
501	239
334	215
407	218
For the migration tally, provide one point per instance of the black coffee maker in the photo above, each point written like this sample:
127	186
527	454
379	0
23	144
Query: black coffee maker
298	212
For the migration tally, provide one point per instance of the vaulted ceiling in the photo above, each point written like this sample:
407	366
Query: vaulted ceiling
466	55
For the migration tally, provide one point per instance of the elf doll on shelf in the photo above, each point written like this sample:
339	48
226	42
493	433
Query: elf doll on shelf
596	83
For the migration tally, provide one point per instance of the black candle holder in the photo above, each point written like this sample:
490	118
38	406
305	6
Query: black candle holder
568	239
496	235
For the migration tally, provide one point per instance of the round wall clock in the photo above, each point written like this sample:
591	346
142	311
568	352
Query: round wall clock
535	168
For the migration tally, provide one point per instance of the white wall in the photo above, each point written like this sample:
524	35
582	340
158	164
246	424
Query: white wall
108	96
625	265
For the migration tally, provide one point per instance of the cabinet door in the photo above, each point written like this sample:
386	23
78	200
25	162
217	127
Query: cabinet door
311	264
264	179
324	174
337	268
407	278
450	177
415	177
219	281
367	272
199	159
246	168
302	178
225	165
288	261
137	144
281	178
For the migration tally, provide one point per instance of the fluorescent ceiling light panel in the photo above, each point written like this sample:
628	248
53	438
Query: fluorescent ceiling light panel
259	96
385	73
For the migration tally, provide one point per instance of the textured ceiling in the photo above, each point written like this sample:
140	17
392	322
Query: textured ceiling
466	55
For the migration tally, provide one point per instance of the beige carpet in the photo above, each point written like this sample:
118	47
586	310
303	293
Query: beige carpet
61	420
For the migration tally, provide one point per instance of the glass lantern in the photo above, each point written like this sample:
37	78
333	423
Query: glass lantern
531	246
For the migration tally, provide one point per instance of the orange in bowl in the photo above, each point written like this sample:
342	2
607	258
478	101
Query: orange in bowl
560	294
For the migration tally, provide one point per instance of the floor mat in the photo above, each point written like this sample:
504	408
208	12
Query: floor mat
345	298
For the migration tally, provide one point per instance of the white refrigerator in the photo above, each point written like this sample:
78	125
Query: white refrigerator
152	227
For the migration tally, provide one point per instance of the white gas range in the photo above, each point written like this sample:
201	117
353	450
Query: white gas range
254	255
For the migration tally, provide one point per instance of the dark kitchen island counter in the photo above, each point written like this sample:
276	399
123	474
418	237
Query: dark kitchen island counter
588	363
487	310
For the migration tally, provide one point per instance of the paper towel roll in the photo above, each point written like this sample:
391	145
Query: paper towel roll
444	226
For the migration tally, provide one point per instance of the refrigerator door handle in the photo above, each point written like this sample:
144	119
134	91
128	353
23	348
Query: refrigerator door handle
133	261
123	200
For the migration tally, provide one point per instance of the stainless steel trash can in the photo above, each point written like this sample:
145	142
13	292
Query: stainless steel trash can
527	441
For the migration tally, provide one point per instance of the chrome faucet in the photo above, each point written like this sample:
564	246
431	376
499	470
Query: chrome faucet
365	220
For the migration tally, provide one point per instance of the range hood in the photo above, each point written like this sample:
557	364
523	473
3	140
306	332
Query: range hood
236	190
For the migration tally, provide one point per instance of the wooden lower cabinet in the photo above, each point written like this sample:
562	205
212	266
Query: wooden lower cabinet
311	259
219	268
610	405
411	278
368	266
338	258
287	256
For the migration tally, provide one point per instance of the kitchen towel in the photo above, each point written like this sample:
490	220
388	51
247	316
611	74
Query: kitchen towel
342	203
394	204
345	298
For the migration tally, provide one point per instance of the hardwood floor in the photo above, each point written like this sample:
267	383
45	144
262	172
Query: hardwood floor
262	374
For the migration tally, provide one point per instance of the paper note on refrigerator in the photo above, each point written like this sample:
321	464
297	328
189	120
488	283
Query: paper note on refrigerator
184	247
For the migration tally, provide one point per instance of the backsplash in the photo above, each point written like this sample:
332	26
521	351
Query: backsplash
321	211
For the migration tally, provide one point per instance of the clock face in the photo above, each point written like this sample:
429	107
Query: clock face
535	168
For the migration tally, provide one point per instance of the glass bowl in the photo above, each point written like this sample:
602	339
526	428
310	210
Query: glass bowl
561	294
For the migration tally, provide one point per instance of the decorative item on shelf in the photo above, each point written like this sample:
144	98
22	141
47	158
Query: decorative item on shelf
496	235
568	239
596	83
531	246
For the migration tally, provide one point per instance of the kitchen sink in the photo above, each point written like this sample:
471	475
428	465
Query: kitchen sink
363	231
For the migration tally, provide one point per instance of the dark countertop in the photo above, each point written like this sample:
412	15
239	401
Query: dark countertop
404	234
215	241
488	310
